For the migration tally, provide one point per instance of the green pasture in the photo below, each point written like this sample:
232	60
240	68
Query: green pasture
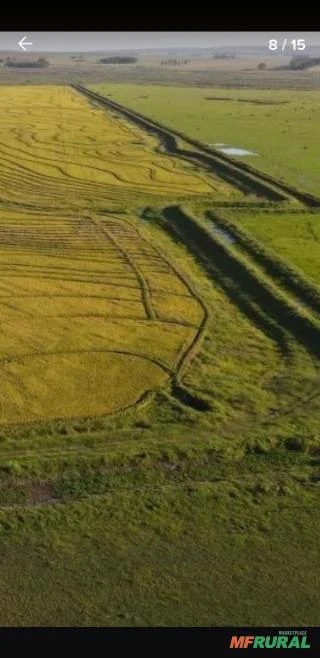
293	236
281	126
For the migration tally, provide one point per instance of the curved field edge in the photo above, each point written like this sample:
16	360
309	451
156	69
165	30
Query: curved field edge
28	406
89	396
80	153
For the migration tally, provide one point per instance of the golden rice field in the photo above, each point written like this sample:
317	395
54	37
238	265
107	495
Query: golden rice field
92	314
58	151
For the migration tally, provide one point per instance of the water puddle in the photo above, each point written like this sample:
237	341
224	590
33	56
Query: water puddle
233	150
223	233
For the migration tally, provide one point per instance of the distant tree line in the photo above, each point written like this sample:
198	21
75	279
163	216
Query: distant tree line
224	56
300	62
118	60
39	63
175	62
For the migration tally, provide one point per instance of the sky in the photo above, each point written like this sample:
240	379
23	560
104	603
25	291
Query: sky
104	41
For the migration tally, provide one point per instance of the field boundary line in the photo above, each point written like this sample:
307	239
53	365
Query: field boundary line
145	292
187	353
158	362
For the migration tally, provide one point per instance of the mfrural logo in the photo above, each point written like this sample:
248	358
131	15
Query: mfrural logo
284	640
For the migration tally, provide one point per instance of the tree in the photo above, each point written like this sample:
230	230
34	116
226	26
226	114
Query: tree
262	66
118	60
40	63
300	62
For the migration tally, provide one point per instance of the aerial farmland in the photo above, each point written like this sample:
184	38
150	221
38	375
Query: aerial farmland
159	343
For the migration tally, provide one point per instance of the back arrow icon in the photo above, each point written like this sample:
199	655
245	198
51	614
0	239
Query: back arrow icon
24	43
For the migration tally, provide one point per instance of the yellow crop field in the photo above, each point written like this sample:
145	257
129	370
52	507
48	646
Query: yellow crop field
92	314
59	151
84	328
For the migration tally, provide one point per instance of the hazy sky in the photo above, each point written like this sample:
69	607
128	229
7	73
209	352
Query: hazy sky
88	41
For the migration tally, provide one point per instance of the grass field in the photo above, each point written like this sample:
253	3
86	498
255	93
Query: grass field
281	126
159	415
124	559
295	237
